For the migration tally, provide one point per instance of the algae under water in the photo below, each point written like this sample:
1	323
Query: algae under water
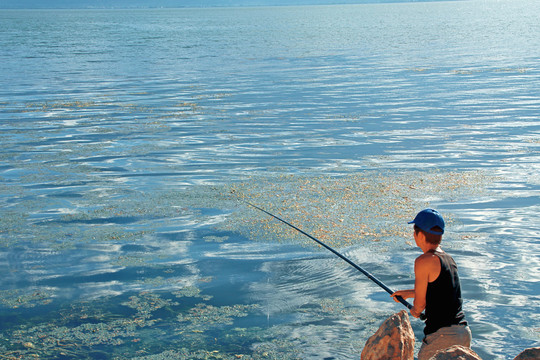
351	209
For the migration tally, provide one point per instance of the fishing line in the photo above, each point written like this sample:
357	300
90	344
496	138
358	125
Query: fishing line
357	267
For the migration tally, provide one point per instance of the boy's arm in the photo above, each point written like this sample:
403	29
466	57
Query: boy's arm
427	268
421	277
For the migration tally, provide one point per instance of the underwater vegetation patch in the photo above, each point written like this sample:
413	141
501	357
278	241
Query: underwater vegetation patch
17	298
345	210
145	326
74	332
204	316
191	291
78	329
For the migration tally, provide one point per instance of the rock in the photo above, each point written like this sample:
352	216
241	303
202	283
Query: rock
456	352
529	354
393	341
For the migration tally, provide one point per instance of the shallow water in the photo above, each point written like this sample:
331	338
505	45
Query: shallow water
128	135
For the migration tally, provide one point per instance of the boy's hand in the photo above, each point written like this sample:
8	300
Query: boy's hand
415	313
397	293
405	294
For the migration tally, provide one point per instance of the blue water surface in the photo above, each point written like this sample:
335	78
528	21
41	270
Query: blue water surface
118	127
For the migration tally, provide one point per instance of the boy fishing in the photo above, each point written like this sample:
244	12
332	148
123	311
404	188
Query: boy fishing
436	289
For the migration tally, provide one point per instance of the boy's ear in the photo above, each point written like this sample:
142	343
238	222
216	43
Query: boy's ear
421	236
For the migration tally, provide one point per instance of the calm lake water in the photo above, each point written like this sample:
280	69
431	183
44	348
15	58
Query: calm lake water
127	134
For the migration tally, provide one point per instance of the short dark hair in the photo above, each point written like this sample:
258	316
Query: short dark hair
430	238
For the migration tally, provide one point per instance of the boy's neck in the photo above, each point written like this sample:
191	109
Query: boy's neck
430	247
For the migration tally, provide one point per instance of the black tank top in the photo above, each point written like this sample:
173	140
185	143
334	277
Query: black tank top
443	297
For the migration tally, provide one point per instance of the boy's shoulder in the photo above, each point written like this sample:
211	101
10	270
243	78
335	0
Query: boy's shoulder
427	259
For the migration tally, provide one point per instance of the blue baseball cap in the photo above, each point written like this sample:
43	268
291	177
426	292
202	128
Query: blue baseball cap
427	219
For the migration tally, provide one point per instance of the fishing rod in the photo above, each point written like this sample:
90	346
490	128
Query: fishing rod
369	276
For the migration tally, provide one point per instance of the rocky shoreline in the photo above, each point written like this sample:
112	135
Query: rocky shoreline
394	340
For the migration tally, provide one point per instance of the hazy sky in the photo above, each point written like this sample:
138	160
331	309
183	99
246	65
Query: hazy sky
40	4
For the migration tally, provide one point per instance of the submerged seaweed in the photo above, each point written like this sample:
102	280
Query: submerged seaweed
346	210
88	329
